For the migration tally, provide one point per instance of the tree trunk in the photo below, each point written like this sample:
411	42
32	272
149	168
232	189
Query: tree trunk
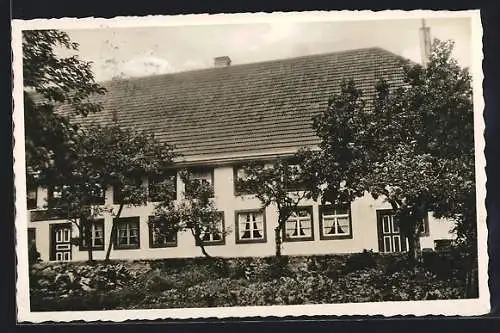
277	237
86	226
414	244
199	242
88	239
113	232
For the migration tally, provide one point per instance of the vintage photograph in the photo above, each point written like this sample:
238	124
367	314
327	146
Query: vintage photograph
269	162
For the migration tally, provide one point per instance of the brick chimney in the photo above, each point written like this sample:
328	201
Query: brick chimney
425	43
223	61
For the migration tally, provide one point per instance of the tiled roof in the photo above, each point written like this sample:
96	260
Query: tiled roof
242	110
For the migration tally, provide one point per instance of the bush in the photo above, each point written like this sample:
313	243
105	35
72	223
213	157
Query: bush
359	261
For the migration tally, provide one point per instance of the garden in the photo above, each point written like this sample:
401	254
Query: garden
217	282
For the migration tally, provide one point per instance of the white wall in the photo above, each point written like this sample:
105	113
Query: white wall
363	215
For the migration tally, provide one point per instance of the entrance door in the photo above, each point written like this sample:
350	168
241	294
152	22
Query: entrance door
61	242
390	238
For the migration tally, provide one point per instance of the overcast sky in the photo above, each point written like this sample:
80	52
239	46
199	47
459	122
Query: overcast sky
146	51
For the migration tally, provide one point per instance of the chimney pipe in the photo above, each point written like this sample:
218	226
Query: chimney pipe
223	61
425	43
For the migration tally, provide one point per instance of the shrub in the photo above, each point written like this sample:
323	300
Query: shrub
359	261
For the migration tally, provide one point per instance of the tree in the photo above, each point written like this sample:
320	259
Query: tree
110	155
412	144
281	183
50	81
195	212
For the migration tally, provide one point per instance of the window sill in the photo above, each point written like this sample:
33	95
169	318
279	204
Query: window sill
293	240
126	247
214	243
161	246
335	237
250	241
84	248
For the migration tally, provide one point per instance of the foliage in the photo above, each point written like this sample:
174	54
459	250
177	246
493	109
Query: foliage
49	81
359	261
283	184
195	212
412	144
108	155
175	283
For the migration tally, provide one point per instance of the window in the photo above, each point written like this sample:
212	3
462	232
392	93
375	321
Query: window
31	195
214	235
54	196
299	225
118	193
203	175
335	222
159	238
96	235
239	174
127	233
157	186
31	237
424	226
250	226
293	178
98	194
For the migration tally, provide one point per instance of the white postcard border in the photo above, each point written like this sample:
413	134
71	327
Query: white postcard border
466	307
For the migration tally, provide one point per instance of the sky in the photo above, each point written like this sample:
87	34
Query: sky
132	52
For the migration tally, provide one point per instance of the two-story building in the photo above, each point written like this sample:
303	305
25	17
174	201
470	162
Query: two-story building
218	118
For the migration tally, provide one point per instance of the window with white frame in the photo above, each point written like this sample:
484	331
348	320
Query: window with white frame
299	225
96	235
127	233
250	226
214	234
335	222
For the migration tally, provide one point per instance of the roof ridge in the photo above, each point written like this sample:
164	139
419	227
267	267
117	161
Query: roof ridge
200	70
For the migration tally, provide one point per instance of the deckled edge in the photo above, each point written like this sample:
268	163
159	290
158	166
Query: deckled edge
469	307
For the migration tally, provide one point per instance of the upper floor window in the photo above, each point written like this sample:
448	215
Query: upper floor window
159	188
54	196
215	234
119	195
335	222
424	226
96	234
239	175
250	226
293	177
204	175
299	226
97	194
31	196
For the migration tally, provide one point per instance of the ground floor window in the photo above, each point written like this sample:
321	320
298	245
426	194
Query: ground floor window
159	237
335	222
299	225
127	233
96	235
214	234
250	226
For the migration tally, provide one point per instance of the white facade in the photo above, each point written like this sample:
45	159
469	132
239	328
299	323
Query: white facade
364	233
